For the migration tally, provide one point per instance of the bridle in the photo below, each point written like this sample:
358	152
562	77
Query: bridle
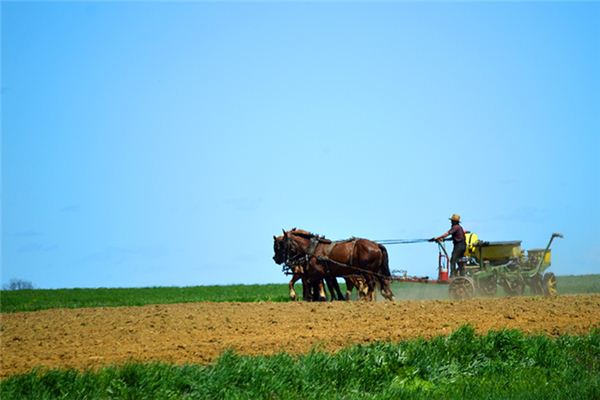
294	256
291	254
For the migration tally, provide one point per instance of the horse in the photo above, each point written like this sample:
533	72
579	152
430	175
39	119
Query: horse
312	290
323	257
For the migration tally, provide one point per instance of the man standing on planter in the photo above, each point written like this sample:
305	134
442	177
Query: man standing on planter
458	239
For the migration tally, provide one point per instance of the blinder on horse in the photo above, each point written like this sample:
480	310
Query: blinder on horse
287	253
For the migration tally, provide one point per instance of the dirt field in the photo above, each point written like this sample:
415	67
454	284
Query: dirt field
199	332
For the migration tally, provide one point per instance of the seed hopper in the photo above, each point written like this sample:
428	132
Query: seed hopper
487	265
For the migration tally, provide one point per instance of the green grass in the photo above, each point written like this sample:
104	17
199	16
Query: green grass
574	284
500	365
40	299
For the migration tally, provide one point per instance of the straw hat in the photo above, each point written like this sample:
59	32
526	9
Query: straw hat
455	218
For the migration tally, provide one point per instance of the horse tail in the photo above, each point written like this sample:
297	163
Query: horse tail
384	274
384	267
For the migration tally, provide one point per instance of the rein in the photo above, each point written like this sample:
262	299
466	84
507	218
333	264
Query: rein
400	241
299	258
329	260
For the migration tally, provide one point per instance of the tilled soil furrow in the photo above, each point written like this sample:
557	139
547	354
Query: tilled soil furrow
199	332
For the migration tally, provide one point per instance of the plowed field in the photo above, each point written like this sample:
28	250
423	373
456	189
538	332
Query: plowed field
199	332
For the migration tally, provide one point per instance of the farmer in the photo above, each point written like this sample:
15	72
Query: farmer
458	239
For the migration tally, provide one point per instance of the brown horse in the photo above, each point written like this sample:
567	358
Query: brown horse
312	289
322	257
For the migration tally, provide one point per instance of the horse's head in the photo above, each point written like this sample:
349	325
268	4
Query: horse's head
287	247
279	248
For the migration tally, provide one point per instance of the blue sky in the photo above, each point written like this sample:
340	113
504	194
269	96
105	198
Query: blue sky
154	144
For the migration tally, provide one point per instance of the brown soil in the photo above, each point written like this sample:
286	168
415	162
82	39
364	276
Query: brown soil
199	332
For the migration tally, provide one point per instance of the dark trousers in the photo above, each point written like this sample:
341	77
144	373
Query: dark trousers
457	252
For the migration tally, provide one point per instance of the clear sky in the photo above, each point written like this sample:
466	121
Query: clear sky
154	144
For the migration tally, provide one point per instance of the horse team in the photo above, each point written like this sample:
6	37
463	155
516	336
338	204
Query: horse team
362	263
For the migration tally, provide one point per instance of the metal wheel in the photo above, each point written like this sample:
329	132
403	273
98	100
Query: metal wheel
488	287
549	284
514	287
536	284
461	288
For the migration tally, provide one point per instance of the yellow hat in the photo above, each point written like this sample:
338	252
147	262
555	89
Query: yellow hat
455	218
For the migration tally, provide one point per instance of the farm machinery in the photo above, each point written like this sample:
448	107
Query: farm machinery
487	265
484	267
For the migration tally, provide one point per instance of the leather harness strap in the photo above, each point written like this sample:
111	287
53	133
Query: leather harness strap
352	251
314	242
330	248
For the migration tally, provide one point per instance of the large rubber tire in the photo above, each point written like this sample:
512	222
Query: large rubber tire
461	288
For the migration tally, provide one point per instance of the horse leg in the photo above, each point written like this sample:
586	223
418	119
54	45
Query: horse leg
349	287
369	289
363	292
362	288
386	290
334	288
385	287
313	290
338	291
330	288
307	290
294	279
320	290
316	276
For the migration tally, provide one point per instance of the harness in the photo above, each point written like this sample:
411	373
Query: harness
303	259
300	258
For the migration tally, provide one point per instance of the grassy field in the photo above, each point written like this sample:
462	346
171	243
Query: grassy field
499	365
574	284
39	299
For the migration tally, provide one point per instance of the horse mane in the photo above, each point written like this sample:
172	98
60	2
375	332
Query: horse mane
309	235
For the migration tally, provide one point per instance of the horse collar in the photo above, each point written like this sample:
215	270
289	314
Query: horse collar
314	242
